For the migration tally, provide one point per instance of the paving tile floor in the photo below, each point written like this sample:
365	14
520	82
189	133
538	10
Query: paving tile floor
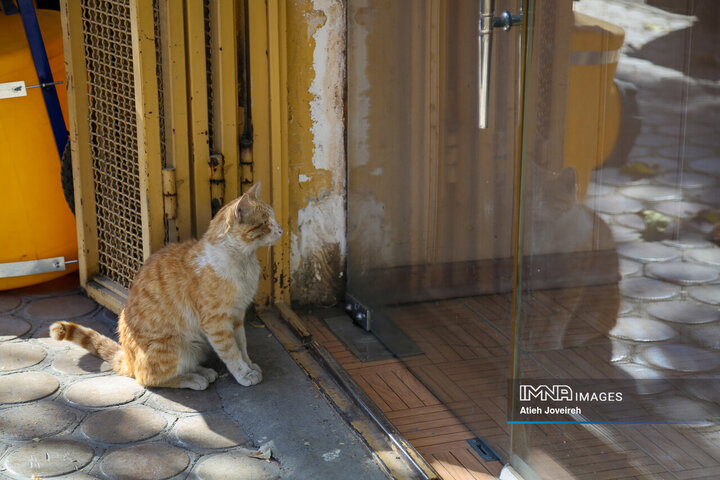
64	414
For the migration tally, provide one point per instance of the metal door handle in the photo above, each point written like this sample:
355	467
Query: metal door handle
487	22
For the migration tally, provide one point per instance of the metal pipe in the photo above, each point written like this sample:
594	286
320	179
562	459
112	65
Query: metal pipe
487	7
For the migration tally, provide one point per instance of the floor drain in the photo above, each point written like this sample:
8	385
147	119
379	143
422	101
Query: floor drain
482	449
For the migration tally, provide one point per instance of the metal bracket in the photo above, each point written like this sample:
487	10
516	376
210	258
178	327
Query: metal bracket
483	450
358	312
31	267
18	89
487	23
506	21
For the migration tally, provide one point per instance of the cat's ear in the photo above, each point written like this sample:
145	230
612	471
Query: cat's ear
254	191
242	207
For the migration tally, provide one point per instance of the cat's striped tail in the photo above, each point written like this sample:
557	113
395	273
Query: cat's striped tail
92	341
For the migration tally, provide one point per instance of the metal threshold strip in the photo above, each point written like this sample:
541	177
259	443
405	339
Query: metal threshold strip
396	454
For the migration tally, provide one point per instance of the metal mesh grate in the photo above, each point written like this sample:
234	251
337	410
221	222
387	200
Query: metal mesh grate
159	72
113	137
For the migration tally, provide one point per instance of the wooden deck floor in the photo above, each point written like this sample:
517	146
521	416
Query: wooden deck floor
431	427
457	390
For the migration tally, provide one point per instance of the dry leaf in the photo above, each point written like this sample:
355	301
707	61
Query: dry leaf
657	225
708	215
638	170
264	452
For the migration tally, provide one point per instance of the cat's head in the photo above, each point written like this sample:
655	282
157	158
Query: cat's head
245	222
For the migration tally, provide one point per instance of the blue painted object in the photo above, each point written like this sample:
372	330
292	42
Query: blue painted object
42	66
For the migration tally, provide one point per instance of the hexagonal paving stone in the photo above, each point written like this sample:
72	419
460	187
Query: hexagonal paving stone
673	129
33	420
706	335
648	252
676	209
703	389
705	140
596	189
682	358
185	400
625	307
709	165
232	465
652	193
613	176
642	288
124	425
620	350
8	302
624	234
104	391
49	458
686	153
685	180
677	408
628	267
12	327
706	294
688	240
78	362
648	381
658	163
682	273
638	151
210	431
147	461
684	311
614	204
59	308
14	356
710	256
27	386
631	220
707	196
650	140
642	330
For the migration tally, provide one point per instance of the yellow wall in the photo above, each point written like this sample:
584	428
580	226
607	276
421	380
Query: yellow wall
316	151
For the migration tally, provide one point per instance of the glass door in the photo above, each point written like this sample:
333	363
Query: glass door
552	279
431	199
615	353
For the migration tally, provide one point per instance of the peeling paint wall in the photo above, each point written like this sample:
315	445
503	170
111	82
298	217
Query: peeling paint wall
316	149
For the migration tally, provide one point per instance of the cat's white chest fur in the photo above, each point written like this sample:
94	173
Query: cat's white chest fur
242	270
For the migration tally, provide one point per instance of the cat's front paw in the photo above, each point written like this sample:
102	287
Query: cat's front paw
256	367
209	374
248	377
195	382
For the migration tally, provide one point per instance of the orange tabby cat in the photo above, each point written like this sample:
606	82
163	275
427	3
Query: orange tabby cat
189	298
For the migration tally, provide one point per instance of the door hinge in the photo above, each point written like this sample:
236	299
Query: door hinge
359	313
169	193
